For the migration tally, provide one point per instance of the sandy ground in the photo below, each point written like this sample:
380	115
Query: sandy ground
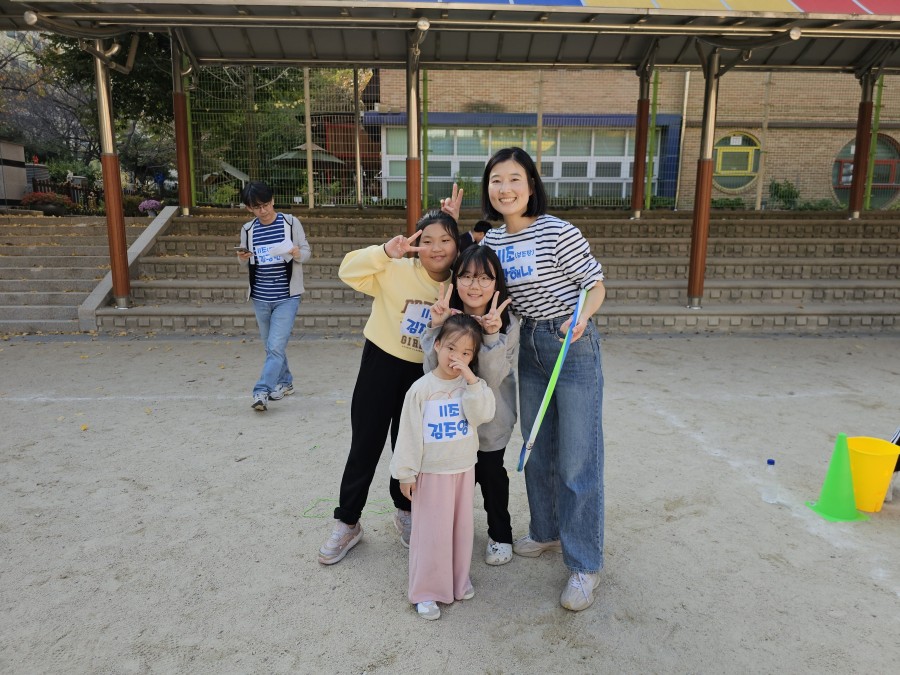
150	521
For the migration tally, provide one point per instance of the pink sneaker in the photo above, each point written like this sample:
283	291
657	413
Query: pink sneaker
343	537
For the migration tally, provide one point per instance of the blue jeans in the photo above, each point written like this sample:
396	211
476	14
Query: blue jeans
275	321
564	474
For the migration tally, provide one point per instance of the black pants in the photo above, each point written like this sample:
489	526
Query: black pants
381	385
491	475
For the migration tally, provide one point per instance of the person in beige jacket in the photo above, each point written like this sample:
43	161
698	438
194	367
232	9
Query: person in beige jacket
434	460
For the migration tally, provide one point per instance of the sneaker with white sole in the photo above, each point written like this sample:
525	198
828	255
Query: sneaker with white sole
403	523
529	548
893	488
579	591
428	610
497	553
343	537
260	401
470	592
281	391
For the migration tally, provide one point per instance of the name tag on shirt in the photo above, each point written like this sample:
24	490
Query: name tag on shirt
263	257
519	261
444	421
415	319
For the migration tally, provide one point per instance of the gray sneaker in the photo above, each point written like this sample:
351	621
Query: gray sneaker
529	548
428	610
343	538
579	591
281	391
259	401
403	523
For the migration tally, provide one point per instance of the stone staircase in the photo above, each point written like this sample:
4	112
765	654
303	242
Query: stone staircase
48	266
766	272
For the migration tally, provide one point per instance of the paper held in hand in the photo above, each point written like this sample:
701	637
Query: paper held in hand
283	249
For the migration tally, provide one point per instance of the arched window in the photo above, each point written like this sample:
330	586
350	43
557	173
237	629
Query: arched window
735	161
885	175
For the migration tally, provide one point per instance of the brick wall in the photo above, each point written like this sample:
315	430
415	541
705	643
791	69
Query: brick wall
811	116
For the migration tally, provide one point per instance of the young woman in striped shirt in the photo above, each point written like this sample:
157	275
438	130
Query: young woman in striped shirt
547	262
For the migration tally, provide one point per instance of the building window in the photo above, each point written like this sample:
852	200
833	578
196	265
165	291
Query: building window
885	172
575	142
440	141
580	162
506	138
735	161
396	141
471	142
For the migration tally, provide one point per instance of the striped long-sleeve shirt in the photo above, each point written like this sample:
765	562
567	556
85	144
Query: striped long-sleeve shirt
546	265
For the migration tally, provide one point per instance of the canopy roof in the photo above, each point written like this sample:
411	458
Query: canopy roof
834	35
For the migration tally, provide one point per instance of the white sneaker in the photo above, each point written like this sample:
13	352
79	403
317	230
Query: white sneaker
259	401
281	391
579	591
428	610
470	592
893	486
529	548
497	553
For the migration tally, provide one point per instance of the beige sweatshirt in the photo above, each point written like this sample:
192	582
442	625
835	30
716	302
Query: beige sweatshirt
402	293
438	426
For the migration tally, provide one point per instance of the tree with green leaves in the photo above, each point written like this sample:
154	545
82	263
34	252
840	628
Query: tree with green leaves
50	103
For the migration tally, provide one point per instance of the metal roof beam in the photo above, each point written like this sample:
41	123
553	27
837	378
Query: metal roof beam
472	25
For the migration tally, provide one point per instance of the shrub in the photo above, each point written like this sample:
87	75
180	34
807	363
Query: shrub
46	198
130	204
662	202
817	205
727	203
786	194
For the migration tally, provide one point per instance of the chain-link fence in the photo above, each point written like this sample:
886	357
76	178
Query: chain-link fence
251	123
783	139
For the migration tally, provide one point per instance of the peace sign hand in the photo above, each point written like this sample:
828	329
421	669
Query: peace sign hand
441	309
452	204
399	246
492	322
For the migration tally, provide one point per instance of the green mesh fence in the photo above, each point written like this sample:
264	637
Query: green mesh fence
250	123
783	140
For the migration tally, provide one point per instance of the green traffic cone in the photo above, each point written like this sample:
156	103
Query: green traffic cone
836	501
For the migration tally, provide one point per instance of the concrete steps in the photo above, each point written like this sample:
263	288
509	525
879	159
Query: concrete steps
24	286
48	266
226	267
608	247
237	319
767	272
647	291
382	226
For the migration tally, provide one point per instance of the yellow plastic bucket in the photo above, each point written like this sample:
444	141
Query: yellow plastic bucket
872	462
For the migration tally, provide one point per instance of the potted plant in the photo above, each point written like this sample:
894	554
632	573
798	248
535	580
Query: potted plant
150	206
50	203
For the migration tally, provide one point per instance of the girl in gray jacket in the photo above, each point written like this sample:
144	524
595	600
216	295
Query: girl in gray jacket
478	288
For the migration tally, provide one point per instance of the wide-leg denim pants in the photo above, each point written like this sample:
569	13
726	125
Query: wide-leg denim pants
275	320
564	474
